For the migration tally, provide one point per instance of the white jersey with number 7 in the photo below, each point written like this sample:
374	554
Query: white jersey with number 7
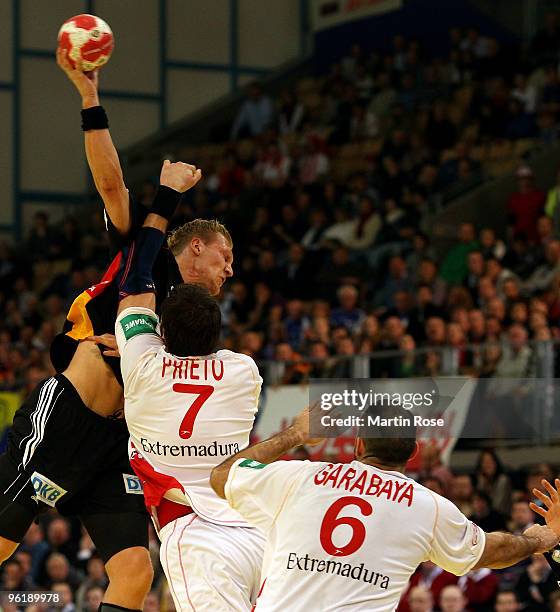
186	415
346	536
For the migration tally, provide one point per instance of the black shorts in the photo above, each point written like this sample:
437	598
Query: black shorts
62	455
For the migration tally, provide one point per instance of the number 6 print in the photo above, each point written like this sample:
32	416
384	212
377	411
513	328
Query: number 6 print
203	392
331	521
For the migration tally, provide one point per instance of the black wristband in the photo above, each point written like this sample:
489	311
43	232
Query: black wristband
165	202
94	118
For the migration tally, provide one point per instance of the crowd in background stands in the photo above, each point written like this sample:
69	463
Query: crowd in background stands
329	269
497	500
326	269
57	554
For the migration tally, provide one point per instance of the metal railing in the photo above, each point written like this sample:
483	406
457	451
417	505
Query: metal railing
478	360
520	387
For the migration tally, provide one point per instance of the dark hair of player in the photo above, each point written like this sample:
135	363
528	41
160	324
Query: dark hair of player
190	321
391	445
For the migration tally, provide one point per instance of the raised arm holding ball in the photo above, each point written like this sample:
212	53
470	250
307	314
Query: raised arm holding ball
68	447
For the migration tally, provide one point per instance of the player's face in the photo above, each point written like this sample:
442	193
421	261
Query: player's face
215	263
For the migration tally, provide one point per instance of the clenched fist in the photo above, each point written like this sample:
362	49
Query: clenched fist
179	176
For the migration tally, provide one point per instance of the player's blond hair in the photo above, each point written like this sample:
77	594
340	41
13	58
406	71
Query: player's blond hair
199	228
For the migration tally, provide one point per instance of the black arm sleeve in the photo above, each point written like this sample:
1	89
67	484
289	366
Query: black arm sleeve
140	259
164	204
138	213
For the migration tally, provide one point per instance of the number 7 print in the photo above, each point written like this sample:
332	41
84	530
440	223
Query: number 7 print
203	392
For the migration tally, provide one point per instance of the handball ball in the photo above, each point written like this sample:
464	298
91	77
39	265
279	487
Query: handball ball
88	41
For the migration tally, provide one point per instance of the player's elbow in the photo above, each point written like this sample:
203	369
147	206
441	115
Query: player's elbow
115	198
110	186
495	554
217	481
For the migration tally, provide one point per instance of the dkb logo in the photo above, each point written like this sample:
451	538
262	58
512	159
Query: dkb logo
46	490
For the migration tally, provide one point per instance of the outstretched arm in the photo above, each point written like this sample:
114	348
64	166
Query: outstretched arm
458	545
266	451
174	180
504	549
102	157
136	325
137	286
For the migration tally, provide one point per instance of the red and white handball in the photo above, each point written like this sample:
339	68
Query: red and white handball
88	40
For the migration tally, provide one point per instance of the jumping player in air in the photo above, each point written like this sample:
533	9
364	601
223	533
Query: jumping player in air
349	536
67	447
187	407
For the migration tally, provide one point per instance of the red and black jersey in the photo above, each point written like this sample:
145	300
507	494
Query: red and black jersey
94	311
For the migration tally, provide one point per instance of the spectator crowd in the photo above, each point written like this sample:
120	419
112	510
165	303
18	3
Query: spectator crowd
326	192
58	555
496	500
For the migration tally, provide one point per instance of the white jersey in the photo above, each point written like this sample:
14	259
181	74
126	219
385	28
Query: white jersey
185	415
346	536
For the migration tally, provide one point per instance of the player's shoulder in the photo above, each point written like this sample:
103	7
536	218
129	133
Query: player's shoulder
233	357
227	355
285	472
311	471
294	465
432	498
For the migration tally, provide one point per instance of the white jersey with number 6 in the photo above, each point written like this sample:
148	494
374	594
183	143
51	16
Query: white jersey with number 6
346	536
186	415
